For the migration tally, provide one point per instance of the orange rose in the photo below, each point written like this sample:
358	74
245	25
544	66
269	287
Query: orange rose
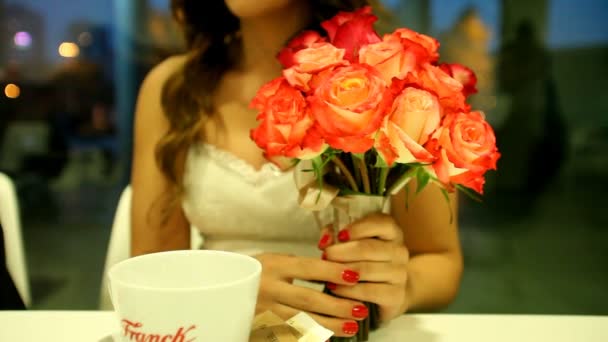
304	40
349	105
448	90
390	57
415	115
465	147
311	60
410	38
286	123
462	74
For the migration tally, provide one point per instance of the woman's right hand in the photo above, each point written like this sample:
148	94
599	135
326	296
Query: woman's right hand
279	295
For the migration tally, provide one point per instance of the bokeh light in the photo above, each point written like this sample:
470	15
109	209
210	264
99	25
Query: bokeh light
12	91
22	39
69	50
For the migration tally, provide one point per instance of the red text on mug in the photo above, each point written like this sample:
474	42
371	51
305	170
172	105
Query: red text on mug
134	331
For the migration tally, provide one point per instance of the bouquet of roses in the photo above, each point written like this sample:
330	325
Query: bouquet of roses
363	115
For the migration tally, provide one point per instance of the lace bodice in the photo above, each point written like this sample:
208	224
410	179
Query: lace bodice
239	208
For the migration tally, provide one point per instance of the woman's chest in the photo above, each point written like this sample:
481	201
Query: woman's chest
229	130
227	197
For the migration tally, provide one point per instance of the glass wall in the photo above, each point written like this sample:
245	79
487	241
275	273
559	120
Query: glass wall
70	70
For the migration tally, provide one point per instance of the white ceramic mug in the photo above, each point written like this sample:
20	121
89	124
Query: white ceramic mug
185	296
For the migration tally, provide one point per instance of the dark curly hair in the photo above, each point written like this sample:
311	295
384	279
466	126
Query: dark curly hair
210	31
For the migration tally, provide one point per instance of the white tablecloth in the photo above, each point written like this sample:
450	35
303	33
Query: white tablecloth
96	326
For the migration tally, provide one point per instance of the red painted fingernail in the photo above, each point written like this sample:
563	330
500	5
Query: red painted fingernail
350	276
344	235
324	241
350	328
360	311
324	256
331	286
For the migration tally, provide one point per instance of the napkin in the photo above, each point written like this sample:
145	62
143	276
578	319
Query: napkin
268	327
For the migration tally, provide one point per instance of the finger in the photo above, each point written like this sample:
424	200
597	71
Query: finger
289	267
381	226
326	238
340	327
368	249
383	294
381	272
309	300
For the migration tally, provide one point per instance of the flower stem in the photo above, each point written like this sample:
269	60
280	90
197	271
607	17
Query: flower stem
355	169
382	181
364	175
346	173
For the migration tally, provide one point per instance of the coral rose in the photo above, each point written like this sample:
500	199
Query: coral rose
414	116
390	57
304	40
448	90
411	39
465	147
311	60
462	74
286	127
349	105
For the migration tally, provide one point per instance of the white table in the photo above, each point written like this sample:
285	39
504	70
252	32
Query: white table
95	326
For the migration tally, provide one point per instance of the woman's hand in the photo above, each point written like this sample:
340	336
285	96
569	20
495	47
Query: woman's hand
374	247
279	295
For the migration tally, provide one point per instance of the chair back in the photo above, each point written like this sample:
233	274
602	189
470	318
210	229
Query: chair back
13	239
119	247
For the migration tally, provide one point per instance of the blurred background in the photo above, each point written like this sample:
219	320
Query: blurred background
69	74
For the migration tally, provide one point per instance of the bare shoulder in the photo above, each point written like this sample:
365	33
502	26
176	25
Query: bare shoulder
156	78
150	92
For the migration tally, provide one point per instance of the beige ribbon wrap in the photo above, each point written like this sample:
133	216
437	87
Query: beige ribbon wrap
328	207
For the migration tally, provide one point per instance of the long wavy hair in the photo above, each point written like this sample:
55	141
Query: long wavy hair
211	35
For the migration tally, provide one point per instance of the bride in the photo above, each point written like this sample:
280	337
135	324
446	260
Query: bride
194	164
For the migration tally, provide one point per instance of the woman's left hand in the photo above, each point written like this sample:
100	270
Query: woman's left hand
374	247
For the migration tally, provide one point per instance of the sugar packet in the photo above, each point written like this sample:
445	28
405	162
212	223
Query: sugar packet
268	327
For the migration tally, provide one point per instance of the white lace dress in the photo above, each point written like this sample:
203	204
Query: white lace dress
238	208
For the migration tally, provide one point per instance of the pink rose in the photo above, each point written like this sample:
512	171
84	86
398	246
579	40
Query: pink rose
349	105
311	60
465	147
286	127
462	74
304	40
352	30
415	115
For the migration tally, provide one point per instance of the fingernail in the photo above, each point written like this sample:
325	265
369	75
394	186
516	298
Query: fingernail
350	328
344	235
331	286
360	311
324	256
324	241
350	276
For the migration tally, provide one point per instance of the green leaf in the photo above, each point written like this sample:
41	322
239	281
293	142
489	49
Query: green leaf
405	177
470	193
423	178
444	192
380	162
359	155
317	164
